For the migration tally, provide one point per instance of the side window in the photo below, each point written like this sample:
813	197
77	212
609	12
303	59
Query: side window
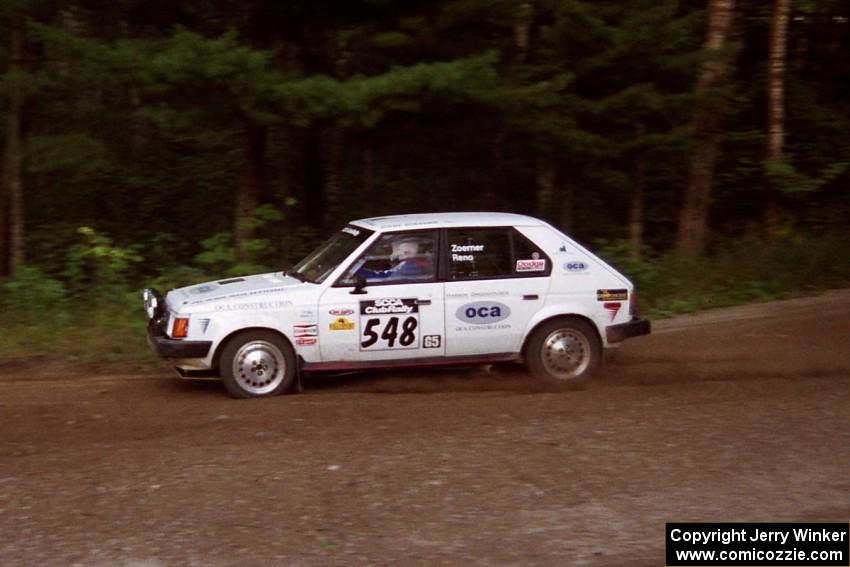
476	253
397	257
529	259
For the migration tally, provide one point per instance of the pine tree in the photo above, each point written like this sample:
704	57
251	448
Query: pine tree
706	125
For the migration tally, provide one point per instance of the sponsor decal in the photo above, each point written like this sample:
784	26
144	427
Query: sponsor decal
575	266
404	224
535	265
613	308
307	313
341	311
431	341
304	330
341	324
612	294
483	312
241	294
351	231
306	341
388	306
488	293
257	305
479	294
389	324
458	248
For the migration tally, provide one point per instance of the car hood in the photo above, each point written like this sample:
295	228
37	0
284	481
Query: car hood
243	287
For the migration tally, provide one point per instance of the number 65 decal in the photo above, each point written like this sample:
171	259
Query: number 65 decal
382	333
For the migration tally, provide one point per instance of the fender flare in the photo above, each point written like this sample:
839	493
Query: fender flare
230	333
569	309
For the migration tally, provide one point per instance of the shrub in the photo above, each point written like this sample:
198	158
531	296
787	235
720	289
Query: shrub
32	297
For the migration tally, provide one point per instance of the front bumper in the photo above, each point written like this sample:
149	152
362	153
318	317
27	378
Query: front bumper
634	328
174	348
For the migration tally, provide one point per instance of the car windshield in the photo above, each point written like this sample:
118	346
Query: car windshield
319	263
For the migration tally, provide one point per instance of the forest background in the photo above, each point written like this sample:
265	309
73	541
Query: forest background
700	145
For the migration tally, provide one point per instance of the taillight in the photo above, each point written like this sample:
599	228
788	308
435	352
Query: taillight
180	328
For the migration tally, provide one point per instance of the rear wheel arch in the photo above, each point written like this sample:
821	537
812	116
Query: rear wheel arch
564	351
564	316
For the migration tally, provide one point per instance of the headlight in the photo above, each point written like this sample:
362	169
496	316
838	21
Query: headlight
153	303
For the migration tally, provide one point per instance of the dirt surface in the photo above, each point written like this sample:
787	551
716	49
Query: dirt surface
738	414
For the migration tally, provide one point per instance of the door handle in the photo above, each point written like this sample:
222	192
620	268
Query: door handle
531	297
423	302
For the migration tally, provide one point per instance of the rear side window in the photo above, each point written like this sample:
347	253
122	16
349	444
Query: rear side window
529	259
487	253
479	253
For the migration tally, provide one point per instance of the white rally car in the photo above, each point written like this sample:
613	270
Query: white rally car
408	290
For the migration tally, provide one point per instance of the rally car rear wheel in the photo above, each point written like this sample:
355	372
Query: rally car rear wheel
256	364
564	352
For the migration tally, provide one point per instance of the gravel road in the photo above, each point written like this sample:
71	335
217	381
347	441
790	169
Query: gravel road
738	414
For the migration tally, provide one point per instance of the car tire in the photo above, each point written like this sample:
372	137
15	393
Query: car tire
257	364
564	353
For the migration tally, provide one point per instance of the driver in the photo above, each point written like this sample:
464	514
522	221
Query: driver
406	261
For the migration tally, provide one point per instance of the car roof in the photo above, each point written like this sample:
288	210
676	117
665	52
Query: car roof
441	220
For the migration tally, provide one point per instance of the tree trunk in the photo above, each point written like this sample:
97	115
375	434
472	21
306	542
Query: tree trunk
636	210
522	31
332	146
252	184
11	187
4	219
696	203
367	174
636	200
313	185
497	184
775	110
565	204
546	175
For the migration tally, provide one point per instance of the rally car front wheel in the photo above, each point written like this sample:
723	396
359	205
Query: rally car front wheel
564	352
256	364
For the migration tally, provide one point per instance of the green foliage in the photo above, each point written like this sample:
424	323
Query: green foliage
75	158
391	39
740	271
95	264
789	180
31	297
221	256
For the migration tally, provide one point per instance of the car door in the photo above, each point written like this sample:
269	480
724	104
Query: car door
496	280
398	315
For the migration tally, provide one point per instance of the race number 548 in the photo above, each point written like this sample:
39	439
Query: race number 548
389	324
391	332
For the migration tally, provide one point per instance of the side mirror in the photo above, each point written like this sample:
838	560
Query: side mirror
359	285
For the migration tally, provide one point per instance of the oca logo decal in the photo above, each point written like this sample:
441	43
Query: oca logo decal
483	312
575	266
